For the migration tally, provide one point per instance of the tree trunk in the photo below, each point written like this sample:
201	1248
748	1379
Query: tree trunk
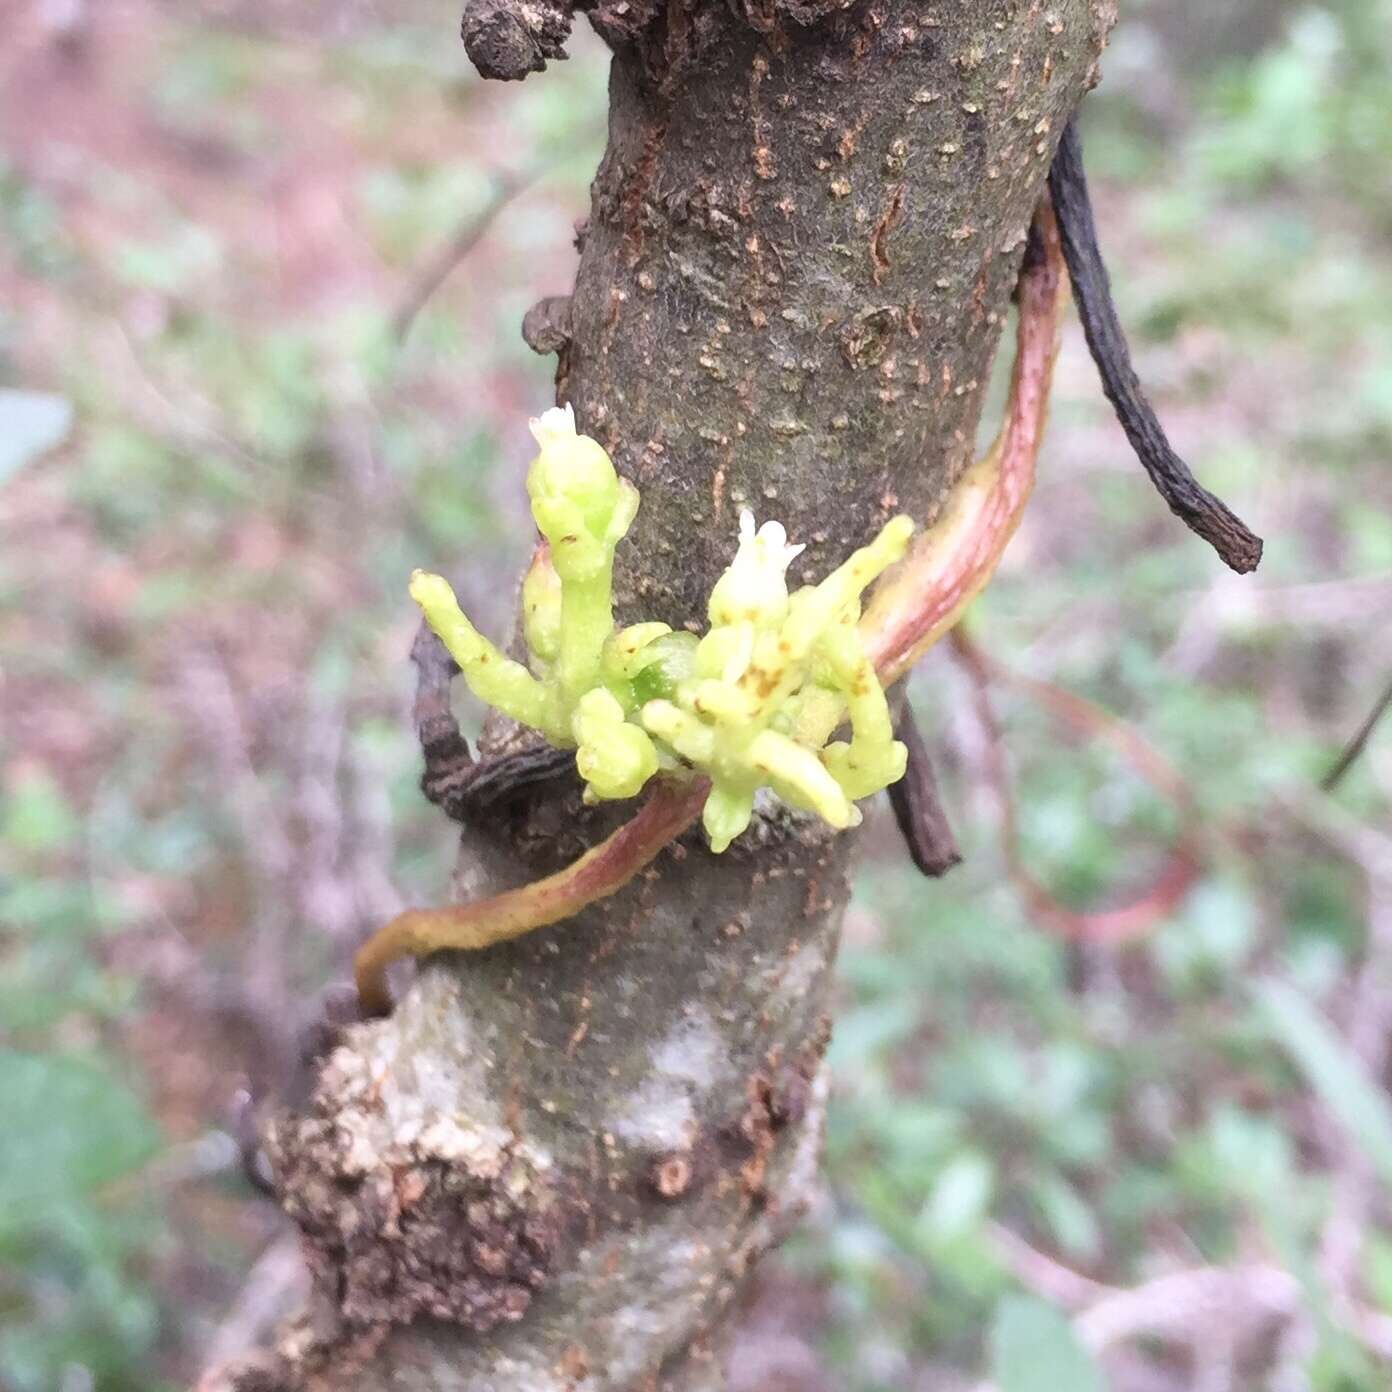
556	1163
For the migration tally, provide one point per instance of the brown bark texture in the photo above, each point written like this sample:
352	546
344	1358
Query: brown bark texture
555	1165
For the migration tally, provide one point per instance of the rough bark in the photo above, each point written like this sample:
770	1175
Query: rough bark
554	1165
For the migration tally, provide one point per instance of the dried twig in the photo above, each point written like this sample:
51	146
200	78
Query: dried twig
1200	511
1041	1273
918	808
276	1283
1186	1307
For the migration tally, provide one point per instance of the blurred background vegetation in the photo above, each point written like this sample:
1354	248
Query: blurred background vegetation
1052	1167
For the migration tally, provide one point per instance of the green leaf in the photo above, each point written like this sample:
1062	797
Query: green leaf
31	424
870	1030
1070	1219
1034	1349
1335	1073
36	816
73	1128
960	1198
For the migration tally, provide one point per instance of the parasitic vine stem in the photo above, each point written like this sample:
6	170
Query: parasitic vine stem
952	561
669	810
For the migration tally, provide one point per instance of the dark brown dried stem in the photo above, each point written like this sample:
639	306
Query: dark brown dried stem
918	808
1204	514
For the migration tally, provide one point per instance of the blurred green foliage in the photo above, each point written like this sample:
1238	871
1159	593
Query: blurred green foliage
213	508
226	537
76	1228
1135	1112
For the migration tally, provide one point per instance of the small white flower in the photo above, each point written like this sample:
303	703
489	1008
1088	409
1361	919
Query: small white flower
754	588
767	548
553	426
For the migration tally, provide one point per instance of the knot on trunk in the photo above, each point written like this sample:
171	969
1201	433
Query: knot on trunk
430	1213
507	39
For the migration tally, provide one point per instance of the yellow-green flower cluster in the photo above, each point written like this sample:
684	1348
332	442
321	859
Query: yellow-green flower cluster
751	704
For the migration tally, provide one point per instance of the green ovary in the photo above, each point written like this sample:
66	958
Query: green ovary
751	704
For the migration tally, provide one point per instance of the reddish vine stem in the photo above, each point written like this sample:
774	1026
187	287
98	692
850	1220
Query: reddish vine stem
669	810
952	561
1175	877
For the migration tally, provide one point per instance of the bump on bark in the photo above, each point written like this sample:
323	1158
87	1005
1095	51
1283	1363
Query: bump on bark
508	39
407	1210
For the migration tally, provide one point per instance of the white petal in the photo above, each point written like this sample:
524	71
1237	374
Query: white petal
553	426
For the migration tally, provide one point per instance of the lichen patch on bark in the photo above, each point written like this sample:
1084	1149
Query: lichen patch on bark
685	1065
409	1207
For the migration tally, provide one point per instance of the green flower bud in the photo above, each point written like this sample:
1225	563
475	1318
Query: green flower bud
541	607
572	468
629	651
492	677
727	812
666	663
614	758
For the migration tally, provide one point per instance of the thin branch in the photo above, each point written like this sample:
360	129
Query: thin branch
1355	747
1358	841
277	1282
1200	511
471	232
1175	877
1041	1273
1182	1306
